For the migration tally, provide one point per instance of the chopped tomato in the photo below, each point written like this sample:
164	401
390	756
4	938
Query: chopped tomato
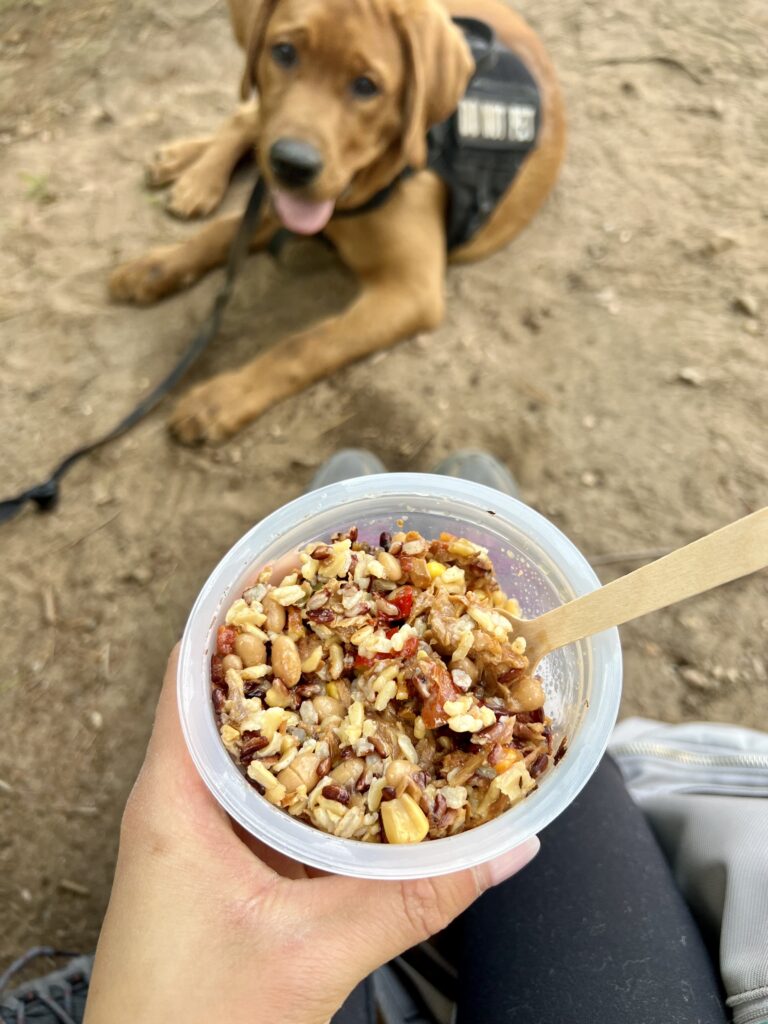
410	647
225	640
217	670
402	599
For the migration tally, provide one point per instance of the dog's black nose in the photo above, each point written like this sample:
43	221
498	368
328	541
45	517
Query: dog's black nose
294	162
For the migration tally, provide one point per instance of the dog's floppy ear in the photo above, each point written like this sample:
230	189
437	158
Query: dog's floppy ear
438	67
260	13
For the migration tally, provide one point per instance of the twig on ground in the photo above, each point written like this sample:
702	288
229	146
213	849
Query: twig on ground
669	62
78	540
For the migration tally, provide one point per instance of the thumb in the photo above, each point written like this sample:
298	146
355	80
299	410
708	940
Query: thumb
398	915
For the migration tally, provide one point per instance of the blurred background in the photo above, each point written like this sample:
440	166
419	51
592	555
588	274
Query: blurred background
615	357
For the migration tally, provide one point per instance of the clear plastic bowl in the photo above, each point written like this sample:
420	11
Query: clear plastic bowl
534	562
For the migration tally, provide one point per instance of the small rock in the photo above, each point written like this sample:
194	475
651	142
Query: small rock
67	885
589	479
691	375
722	674
760	670
100	115
26	895
5	787
717	243
589	422
531	320
607	297
96	719
745	304
625	236
140	574
694	677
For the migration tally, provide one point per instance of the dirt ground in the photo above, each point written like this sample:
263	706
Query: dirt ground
615	357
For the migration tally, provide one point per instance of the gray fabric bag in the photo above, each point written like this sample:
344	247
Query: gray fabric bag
704	789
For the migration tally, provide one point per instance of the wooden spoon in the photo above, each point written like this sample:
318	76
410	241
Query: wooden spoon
724	555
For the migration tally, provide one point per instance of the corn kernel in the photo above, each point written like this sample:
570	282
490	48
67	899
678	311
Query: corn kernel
403	820
435	569
419	729
511	755
332	690
402	692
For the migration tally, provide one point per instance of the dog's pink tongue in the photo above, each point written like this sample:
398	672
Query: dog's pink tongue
301	216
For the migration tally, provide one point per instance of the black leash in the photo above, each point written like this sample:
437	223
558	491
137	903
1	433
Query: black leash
46	495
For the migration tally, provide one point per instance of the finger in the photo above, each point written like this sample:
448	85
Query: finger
171	799
168	775
382	919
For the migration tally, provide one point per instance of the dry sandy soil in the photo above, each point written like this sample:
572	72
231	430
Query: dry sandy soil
615	357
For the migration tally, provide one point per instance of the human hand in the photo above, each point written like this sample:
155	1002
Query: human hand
207	924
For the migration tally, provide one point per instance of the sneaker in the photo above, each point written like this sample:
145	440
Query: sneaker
345	465
479	468
56	998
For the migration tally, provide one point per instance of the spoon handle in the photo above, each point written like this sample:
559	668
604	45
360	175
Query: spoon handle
726	554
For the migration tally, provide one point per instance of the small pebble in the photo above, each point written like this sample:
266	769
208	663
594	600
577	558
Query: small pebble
697	679
96	719
589	422
26	895
691	375
722	674
5	787
67	885
589	479
140	574
746	304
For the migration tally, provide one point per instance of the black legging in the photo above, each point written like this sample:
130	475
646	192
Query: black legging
593	931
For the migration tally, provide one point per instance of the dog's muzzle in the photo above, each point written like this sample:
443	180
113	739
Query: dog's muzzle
295	163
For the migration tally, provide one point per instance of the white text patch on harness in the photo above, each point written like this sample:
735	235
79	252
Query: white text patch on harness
492	121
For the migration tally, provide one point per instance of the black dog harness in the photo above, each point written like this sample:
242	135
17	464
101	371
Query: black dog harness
479	150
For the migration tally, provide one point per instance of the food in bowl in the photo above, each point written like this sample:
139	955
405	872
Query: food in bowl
378	692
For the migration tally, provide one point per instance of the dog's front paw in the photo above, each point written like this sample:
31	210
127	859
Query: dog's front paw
169	161
196	194
147	279
209	412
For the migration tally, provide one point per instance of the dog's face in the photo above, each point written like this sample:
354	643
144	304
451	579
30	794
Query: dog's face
347	91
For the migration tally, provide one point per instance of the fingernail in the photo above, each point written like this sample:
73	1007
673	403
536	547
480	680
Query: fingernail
508	864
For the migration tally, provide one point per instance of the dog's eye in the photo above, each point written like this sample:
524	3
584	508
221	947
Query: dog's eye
284	54
364	87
